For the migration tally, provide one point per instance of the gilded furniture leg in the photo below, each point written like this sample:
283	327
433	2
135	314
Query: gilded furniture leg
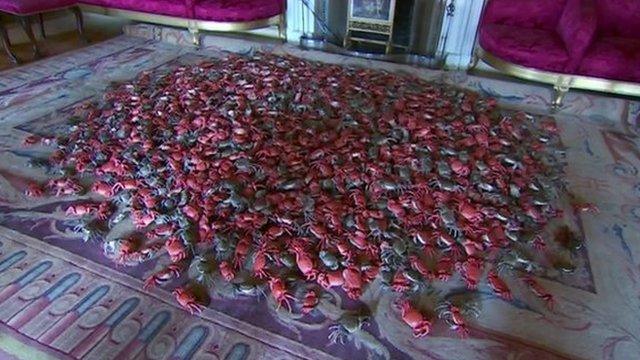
41	20
282	28
79	24
475	59
559	92
4	37
26	25
195	36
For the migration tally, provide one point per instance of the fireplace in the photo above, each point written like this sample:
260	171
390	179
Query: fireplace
433	33
416	27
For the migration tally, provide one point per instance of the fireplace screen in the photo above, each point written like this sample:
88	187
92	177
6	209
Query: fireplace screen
370	21
367	10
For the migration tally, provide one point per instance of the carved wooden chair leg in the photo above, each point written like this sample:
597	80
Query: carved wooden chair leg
41	20
26	26
80	24
4	37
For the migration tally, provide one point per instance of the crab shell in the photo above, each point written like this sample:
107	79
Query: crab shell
331	279
175	249
305	264
226	271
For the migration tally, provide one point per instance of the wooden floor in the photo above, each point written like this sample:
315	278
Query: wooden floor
97	28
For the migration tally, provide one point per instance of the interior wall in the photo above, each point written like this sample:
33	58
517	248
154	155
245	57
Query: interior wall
458	38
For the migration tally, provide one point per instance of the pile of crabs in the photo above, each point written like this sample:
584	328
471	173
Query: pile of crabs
299	176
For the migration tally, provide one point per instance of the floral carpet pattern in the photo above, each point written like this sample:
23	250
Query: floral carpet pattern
62	299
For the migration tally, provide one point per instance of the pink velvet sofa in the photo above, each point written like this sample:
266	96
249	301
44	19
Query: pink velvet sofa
196	15
589	44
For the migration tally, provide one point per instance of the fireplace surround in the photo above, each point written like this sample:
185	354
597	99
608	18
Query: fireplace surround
433	33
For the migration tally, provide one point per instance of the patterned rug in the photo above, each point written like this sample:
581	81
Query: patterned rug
60	298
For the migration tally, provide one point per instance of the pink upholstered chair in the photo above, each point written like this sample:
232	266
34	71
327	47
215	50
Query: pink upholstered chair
615	50
541	34
25	9
585	44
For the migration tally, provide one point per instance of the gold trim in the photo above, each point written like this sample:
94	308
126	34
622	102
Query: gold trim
370	27
192	24
557	79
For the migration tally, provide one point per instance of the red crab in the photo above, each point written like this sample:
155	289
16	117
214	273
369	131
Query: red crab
305	262
539	291
187	300
453	316
34	190
81	209
330	279
176	249
280	293
415	319
227	271
31	140
352	282
172	271
309	302
471	270
499	286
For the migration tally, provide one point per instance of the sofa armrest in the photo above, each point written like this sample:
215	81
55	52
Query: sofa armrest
577	28
536	14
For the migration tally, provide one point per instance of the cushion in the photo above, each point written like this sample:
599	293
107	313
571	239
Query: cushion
161	7
536	48
233	10
619	18
535	14
613	58
24	7
577	27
